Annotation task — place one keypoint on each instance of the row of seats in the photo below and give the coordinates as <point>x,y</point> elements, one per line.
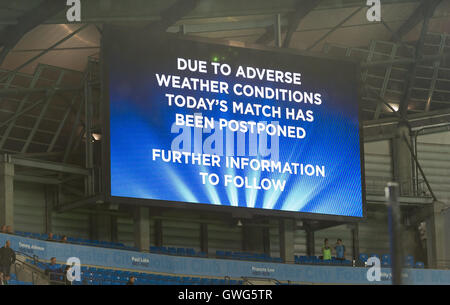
<point>103,276</point>
<point>16,282</point>
<point>78,241</point>
<point>314,260</point>
<point>247,256</point>
<point>385,259</point>
<point>13,281</point>
<point>158,250</point>
<point>177,251</point>
<point>95,276</point>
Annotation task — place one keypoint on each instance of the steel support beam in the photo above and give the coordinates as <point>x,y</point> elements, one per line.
<point>19,111</point>
<point>61,125</point>
<point>46,90</point>
<point>18,114</point>
<point>43,52</point>
<point>80,203</point>
<point>72,133</point>
<point>335,28</point>
<point>51,166</point>
<point>420,168</point>
<point>376,130</point>
<point>387,76</point>
<point>277,30</point>
<point>434,78</point>
<point>302,9</point>
<point>355,241</point>
<point>400,61</point>
<point>41,115</point>
<point>36,179</point>
<point>6,191</point>
<point>417,16</point>
<point>12,34</point>
<point>173,14</point>
<point>403,108</point>
<point>395,231</point>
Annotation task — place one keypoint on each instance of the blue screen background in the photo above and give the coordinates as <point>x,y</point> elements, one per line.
<point>140,120</point>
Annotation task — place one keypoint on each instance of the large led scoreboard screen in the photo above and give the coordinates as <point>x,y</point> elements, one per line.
<point>218,125</point>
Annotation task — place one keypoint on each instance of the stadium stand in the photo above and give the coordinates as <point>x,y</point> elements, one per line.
<point>314,260</point>
<point>101,275</point>
<point>409,261</point>
<point>222,254</point>
<point>79,241</point>
<point>177,251</point>
<point>247,256</point>
<point>14,281</point>
<point>110,276</point>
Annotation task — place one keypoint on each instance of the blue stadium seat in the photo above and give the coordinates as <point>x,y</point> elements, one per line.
<point>386,264</point>
<point>420,265</point>
<point>363,257</point>
<point>204,281</point>
<point>347,262</point>
<point>155,249</point>
<point>409,262</point>
<point>277,260</point>
<point>409,259</point>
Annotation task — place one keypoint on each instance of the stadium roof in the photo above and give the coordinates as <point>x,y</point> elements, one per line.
<point>44,58</point>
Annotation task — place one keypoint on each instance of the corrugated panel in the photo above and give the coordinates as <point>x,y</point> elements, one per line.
<point>374,234</point>
<point>342,232</point>
<point>73,224</point>
<point>178,233</point>
<point>378,166</point>
<point>274,238</point>
<point>125,230</point>
<point>224,237</point>
<point>446,215</point>
<point>435,162</point>
<point>29,207</point>
<point>299,242</point>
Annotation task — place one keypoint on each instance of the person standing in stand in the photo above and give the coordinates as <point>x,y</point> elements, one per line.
<point>7,258</point>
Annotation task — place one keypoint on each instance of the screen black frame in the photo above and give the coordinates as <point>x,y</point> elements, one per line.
<point>106,162</point>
